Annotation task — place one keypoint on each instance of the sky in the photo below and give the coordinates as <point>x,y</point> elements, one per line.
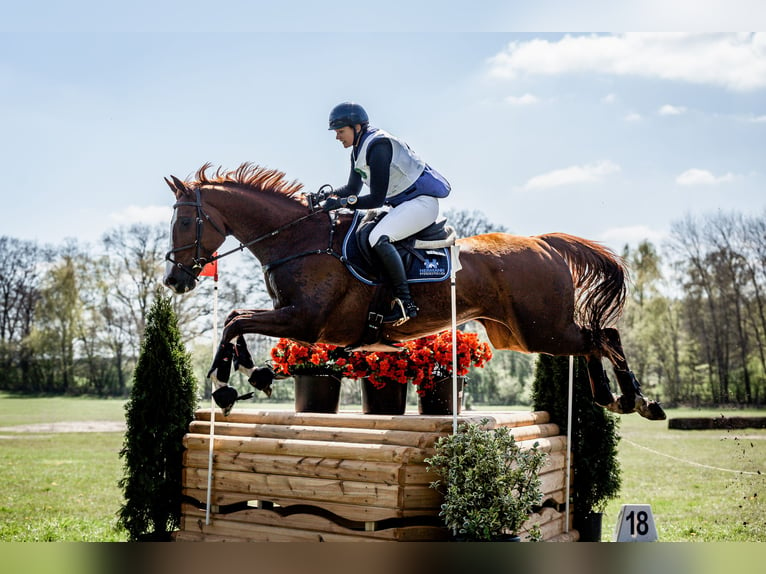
<point>611,135</point>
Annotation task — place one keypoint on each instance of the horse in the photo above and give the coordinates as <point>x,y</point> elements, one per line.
<point>556,293</point>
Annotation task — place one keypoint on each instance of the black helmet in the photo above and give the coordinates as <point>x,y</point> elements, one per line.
<point>347,114</point>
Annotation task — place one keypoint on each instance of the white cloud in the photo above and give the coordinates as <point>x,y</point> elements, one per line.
<point>668,110</point>
<point>524,100</point>
<point>589,173</point>
<point>148,214</point>
<point>758,119</point>
<point>702,177</point>
<point>633,117</point>
<point>733,61</point>
<point>609,99</point>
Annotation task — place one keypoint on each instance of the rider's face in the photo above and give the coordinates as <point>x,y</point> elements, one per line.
<point>345,135</point>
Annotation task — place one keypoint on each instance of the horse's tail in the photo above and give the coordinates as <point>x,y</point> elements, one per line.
<point>600,281</point>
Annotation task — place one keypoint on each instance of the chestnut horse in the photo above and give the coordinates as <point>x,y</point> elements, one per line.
<point>555,293</point>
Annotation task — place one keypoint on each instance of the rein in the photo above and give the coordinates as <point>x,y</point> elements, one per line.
<point>200,262</point>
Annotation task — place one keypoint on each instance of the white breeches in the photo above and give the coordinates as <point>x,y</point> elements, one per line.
<point>406,219</point>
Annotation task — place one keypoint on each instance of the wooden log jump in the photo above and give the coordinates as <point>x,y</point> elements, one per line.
<point>285,476</point>
<point>722,422</point>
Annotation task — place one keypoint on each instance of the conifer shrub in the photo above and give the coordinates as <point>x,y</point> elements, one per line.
<point>161,407</point>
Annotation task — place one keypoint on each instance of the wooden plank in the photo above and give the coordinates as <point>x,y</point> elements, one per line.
<point>552,481</point>
<point>337,449</point>
<point>548,444</point>
<point>571,536</point>
<point>315,433</point>
<point>517,418</point>
<point>550,521</point>
<point>347,511</point>
<point>558,496</point>
<point>534,432</point>
<point>408,422</point>
<point>319,467</point>
<point>195,521</point>
<point>256,486</point>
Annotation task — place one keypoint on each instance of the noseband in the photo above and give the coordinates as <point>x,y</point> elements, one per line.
<point>200,262</point>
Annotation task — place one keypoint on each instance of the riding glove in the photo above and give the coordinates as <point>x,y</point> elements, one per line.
<point>332,203</point>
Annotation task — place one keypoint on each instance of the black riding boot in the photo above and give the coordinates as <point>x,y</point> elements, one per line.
<point>404,307</point>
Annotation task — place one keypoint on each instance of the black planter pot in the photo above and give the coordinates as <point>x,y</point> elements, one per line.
<point>317,394</point>
<point>438,400</point>
<point>390,400</point>
<point>589,526</point>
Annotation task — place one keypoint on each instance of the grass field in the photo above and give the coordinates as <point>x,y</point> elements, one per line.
<point>702,485</point>
<point>63,486</point>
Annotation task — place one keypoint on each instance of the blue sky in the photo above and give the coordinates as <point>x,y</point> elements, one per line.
<point>610,136</point>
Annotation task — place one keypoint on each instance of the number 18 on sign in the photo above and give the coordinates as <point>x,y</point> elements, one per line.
<point>635,523</point>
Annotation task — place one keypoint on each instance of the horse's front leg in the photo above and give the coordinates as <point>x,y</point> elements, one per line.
<point>233,353</point>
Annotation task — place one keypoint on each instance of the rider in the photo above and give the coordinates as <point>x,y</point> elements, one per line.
<point>397,177</point>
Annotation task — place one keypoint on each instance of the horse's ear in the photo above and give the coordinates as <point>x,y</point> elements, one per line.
<point>176,185</point>
<point>171,186</point>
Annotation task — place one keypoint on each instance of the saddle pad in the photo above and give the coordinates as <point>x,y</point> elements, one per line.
<point>429,266</point>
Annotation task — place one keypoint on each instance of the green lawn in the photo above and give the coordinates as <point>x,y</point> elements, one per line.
<point>59,486</point>
<point>702,485</point>
<point>63,486</point>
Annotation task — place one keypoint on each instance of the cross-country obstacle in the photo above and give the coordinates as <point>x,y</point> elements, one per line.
<point>286,476</point>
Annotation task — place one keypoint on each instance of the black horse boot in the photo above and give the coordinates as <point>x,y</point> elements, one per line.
<point>404,307</point>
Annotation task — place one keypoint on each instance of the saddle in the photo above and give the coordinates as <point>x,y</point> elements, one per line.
<point>425,255</point>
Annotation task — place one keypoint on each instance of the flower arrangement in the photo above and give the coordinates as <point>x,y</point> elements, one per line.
<point>471,352</point>
<point>423,362</point>
<point>291,358</point>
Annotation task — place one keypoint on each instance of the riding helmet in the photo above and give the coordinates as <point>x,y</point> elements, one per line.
<point>347,114</point>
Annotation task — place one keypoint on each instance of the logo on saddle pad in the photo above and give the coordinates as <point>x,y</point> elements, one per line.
<point>432,268</point>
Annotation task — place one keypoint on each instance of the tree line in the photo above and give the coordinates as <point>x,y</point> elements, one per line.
<point>72,317</point>
<point>695,325</point>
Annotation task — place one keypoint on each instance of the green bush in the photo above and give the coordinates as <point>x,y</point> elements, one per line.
<point>158,413</point>
<point>490,485</point>
<point>596,469</point>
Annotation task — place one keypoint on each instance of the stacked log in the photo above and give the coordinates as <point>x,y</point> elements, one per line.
<point>285,476</point>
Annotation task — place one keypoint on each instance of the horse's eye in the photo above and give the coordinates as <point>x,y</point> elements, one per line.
<point>185,222</point>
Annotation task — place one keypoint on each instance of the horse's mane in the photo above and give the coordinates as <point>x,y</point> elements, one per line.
<point>248,175</point>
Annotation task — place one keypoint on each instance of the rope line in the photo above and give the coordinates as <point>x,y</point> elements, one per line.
<point>691,462</point>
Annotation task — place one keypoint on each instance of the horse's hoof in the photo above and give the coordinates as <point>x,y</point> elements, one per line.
<point>225,397</point>
<point>261,378</point>
<point>652,410</point>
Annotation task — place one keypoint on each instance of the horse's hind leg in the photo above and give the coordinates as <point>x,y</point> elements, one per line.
<point>631,399</point>
<point>578,341</point>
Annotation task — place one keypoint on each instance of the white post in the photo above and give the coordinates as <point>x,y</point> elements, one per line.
<point>454,250</point>
<point>212,404</point>
<point>569,440</point>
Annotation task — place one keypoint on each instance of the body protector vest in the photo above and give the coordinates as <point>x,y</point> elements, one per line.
<point>406,165</point>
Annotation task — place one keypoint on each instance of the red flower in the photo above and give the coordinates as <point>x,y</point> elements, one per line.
<point>291,358</point>
<point>423,361</point>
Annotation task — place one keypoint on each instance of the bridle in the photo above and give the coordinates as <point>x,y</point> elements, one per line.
<point>199,261</point>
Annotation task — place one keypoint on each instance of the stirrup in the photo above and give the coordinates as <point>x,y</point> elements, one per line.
<point>401,313</point>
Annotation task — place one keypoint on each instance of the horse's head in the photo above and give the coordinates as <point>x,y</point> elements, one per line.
<point>194,237</point>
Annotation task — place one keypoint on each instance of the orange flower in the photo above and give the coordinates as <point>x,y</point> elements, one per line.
<point>291,358</point>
